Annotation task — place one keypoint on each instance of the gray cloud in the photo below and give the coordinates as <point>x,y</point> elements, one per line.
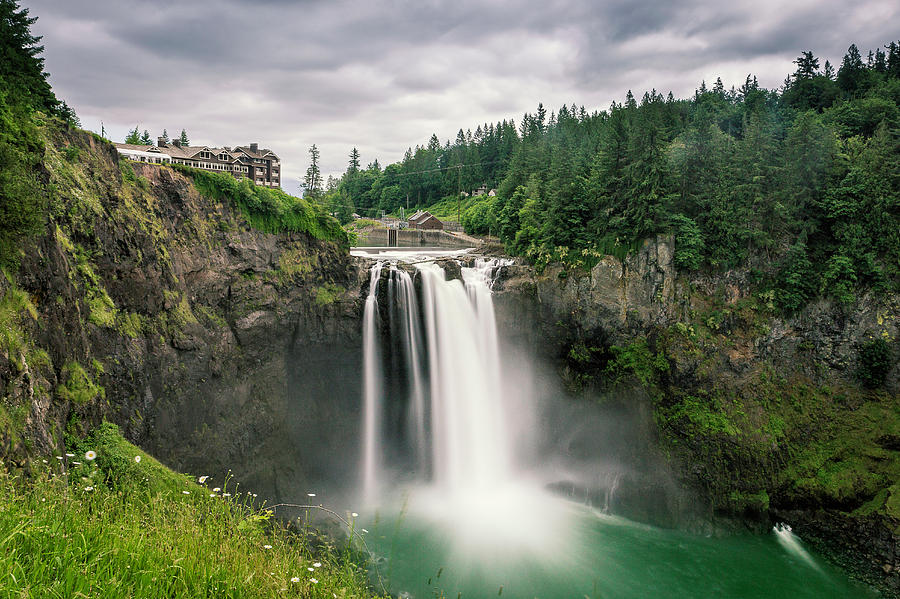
<point>384,75</point>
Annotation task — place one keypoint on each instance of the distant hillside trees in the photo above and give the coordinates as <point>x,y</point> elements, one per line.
<point>801,184</point>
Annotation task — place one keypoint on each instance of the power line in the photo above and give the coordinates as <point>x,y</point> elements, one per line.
<point>447,168</point>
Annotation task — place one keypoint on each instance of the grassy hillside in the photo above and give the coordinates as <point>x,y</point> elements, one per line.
<point>123,525</point>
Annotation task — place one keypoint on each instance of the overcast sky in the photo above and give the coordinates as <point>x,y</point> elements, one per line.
<point>384,75</point>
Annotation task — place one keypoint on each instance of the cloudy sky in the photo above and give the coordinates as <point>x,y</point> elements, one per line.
<point>383,75</point>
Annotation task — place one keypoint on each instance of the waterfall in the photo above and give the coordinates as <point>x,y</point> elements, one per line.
<point>456,428</point>
<point>411,335</point>
<point>372,390</point>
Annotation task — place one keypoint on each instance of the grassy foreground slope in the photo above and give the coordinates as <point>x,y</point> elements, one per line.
<point>124,525</point>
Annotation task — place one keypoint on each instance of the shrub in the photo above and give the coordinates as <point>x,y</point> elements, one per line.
<point>689,243</point>
<point>873,363</point>
<point>267,209</point>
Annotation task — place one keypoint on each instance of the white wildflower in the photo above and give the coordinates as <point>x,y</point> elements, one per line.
<point>70,455</point>
<point>216,490</point>
<point>137,459</point>
<point>317,565</point>
<point>354,514</point>
<point>267,546</point>
<point>310,494</point>
<point>90,455</point>
<point>89,488</point>
<point>295,579</point>
<point>202,479</point>
<point>314,581</point>
<point>186,492</point>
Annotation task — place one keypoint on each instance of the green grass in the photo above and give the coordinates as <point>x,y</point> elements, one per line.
<point>114,527</point>
<point>267,209</point>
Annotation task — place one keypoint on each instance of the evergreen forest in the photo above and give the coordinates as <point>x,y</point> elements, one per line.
<point>800,184</point>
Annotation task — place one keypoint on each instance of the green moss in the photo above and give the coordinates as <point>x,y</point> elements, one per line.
<point>130,324</point>
<point>328,294</point>
<point>892,502</point>
<point>756,502</point>
<point>211,317</point>
<point>78,386</point>
<point>102,309</point>
<point>295,263</point>
<point>699,416</point>
<point>15,307</point>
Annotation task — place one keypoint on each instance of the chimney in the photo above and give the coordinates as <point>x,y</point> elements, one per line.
<point>160,142</point>
<point>176,143</point>
<point>254,147</point>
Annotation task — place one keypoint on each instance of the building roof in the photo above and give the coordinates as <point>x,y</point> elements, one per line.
<point>257,154</point>
<point>420,217</point>
<point>192,151</point>
<point>137,147</point>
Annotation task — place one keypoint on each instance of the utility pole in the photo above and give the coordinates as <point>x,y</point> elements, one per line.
<point>458,194</point>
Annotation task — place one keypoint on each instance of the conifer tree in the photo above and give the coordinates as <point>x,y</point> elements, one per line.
<point>21,66</point>
<point>133,137</point>
<point>312,182</point>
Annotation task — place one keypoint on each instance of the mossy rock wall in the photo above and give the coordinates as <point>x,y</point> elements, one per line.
<point>213,345</point>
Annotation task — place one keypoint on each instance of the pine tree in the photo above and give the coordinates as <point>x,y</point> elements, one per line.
<point>852,72</point>
<point>165,136</point>
<point>133,137</point>
<point>354,161</point>
<point>146,139</point>
<point>21,67</point>
<point>807,66</point>
<point>183,139</point>
<point>312,182</point>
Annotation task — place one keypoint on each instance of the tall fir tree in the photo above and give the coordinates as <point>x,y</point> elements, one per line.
<point>312,182</point>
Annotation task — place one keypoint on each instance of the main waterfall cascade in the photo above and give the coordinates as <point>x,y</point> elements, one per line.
<point>446,350</point>
<point>452,510</point>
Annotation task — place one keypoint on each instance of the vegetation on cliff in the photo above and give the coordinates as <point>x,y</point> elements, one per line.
<point>267,209</point>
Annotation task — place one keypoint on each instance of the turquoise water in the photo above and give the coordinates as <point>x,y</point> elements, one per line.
<point>556,549</point>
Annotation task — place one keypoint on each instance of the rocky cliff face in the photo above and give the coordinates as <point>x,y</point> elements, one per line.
<point>763,416</point>
<point>214,346</point>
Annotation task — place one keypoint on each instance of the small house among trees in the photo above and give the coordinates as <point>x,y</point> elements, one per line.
<point>425,220</point>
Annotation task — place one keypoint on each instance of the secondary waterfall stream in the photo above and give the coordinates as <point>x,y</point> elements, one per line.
<point>450,510</point>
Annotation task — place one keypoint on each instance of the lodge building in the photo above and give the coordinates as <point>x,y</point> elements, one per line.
<point>261,166</point>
